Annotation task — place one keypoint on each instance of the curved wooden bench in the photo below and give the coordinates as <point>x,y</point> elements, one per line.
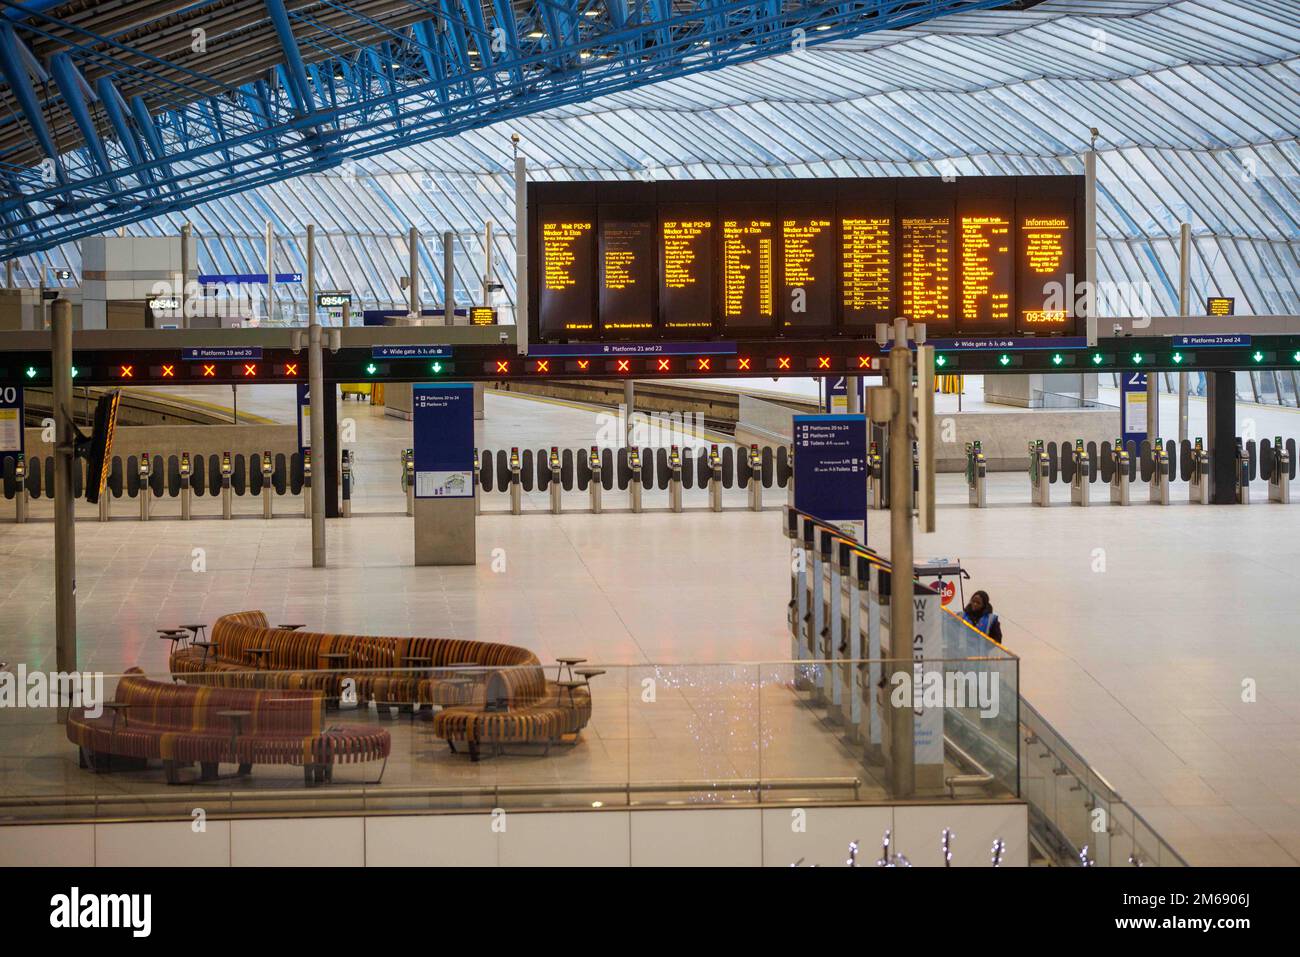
<point>186,724</point>
<point>520,707</point>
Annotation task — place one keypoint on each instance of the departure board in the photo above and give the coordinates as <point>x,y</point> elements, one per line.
<point>627,274</point>
<point>748,294</point>
<point>566,307</point>
<point>807,265</point>
<point>772,258</point>
<point>686,269</point>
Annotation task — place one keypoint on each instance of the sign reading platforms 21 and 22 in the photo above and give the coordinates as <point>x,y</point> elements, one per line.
<point>982,256</point>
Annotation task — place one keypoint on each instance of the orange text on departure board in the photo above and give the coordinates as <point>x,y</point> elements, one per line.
<point>1043,240</point>
<point>680,256</point>
<point>927,268</point>
<point>800,251</point>
<point>986,267</point>
<point>746,259</point>
<point>867,269</point>
<point>558,256</point>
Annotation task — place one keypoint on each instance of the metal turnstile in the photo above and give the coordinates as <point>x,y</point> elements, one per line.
<point>1080,483</point>
<point>1242,471</point>
<point>20,494</point>
<point>268,472</point>
<point>675,479</point>
<point>144,468</point>
<point>1158,490</point>
<point>227,470</point>
<point>557,482</point>
<point>1198,488</point>
<point>347,483</point>
<point>1279,479</point>
<point>408,479</point>
<point>596,486</point>
<point>634,486</point>
<point>715,479</point>
<point>185,486</point>
<point>1119,478</point>
<point>976,474</point>
<point>755,488</point>
<point>306,483</point>
<point>516,489</point>
<point>875,477</point>
<point>1040,474</point>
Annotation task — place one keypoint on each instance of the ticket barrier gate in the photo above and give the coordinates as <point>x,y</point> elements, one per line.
<point>675,479</point>
<point>1198,487</point>
<point>715,479</point>
<point>1242,472</point>
<point>1119,478</point>
<point>268,470</point>
<point>516,489</point>
<point>144,469</point>
<point>347,482</point>
<point>1040,474</point>
<point>408,479</point>
<point>1080,484</point>
<point>557,483</point>
<point>20,494</point>
<point>185,487</point>
<point>634,480</point>
<point>1279,480</point>
<point>1158,490</point>
<point>796,608</point>
<point>306,483</point>
<point>875,477</point>
<point>976,475</point>
<point>227,470</point>
<point>596,485</point>
<point>755,480</point>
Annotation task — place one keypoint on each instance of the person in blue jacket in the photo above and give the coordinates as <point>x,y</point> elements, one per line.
<point>979,613</point>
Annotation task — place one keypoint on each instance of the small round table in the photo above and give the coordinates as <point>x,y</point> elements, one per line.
<point>567,664</point>
<point>588,673</point>
<point>198,631</point>
<point>290,627</point>
<point>208,647</point>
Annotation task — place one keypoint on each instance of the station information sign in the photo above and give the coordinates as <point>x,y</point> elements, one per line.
<point>974,256</point>
<point>1220,306</point>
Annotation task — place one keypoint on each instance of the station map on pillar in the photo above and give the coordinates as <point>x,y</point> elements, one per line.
<point>755,259</point>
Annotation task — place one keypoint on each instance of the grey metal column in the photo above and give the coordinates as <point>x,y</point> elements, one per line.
<point>347,314</point>
<point>1090,236</point>
<point>902,768</point>
<point>270,270</point>
<point>1184,309</point>
<point>449,278</point>
<point>851,387</point>
<point>186,232</point>
<point>413,273</point>
<point>487,263</point>
<point>521,252</point>
<point>629,406</point>
<point>316,385</point>
<point>65,547</point>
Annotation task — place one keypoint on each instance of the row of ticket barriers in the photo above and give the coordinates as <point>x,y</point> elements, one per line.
<point>1121,464</point>
<point>597,471</point>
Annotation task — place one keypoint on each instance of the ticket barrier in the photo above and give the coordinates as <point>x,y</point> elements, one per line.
<point>596,485</point>
<point>185,486</point>
<point>755,480</point>
<point>1158,490</point>
<point>408,479</point>
<point>516,489</point>
<point>306,483</point>
<point>715,479</point>
<point>144,469</point>
<point>854,672</point>
<point>1119,478</point>
<point>1080,483</point>
<point>347,482</point>
<point>834,647</point>
<point>634,481</point>
<point>1040,474</point>
<point>1242,472</point>
<point>814,620</point>
<point>1279,480</point>
<point>875,477</point>
<point>797,606</point>
<point>20,494</point>
<point>227,470</point>
<point>675,479</point>
<point>557,482</point>
<point>1198,487</point>
<point>976,475</point>
<point>268,470</point>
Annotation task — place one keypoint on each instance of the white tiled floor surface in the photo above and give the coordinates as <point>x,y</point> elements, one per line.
<point>1137,627</point>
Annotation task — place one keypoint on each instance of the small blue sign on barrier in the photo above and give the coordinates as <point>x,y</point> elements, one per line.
<point>11,419</point>
<point>1133,406</point>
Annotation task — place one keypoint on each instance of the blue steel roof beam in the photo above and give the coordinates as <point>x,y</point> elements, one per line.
<point>75,92</point>
<point>459,44</point>
<point>426,38</point>
<point>13,65</point>
<point>381,65</point>
<point>116,110</point>
<point>211,111</point>
<point>145,124</point>
<point>505,22</point>
<point>298,88</point>
<point>477,28</point>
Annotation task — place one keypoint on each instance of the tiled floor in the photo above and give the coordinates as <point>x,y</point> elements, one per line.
<point>1138,628</point>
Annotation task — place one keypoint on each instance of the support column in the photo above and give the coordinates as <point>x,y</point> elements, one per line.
<point>270,271</point>
<point>413,269</point>
<point>65,546</point>
<point>629,406</point>
<point>449,278</point>
<point>316,385</point>
<point>1221,435</point>
<point>902,627</point>
<point>521,252</point>
<point>1184,309</point>
<point>186,232</point>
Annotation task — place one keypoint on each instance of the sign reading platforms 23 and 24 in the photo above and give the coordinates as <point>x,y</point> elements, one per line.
<point>981,256</point>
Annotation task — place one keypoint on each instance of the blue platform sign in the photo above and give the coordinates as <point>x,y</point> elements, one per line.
<point>410,352</point>
<point>11,420</point>
<point>221,352</point>
<point>830,469</point>
<point>1133,406</point>
<point>618,349</point>
<point>443,428</point>
<point>837,393</point>
<point>258,278</point>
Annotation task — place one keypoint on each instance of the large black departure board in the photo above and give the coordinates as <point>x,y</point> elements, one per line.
<point>700,259</point>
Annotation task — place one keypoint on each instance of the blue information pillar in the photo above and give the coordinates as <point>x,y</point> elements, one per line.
<point>1133,406</point>
<point>443,427</point>
<point>830,470</point>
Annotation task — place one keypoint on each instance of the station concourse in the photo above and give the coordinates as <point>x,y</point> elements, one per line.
<point>407,472</point>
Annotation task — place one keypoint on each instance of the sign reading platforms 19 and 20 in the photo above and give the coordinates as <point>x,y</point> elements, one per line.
<point>982,256</point>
